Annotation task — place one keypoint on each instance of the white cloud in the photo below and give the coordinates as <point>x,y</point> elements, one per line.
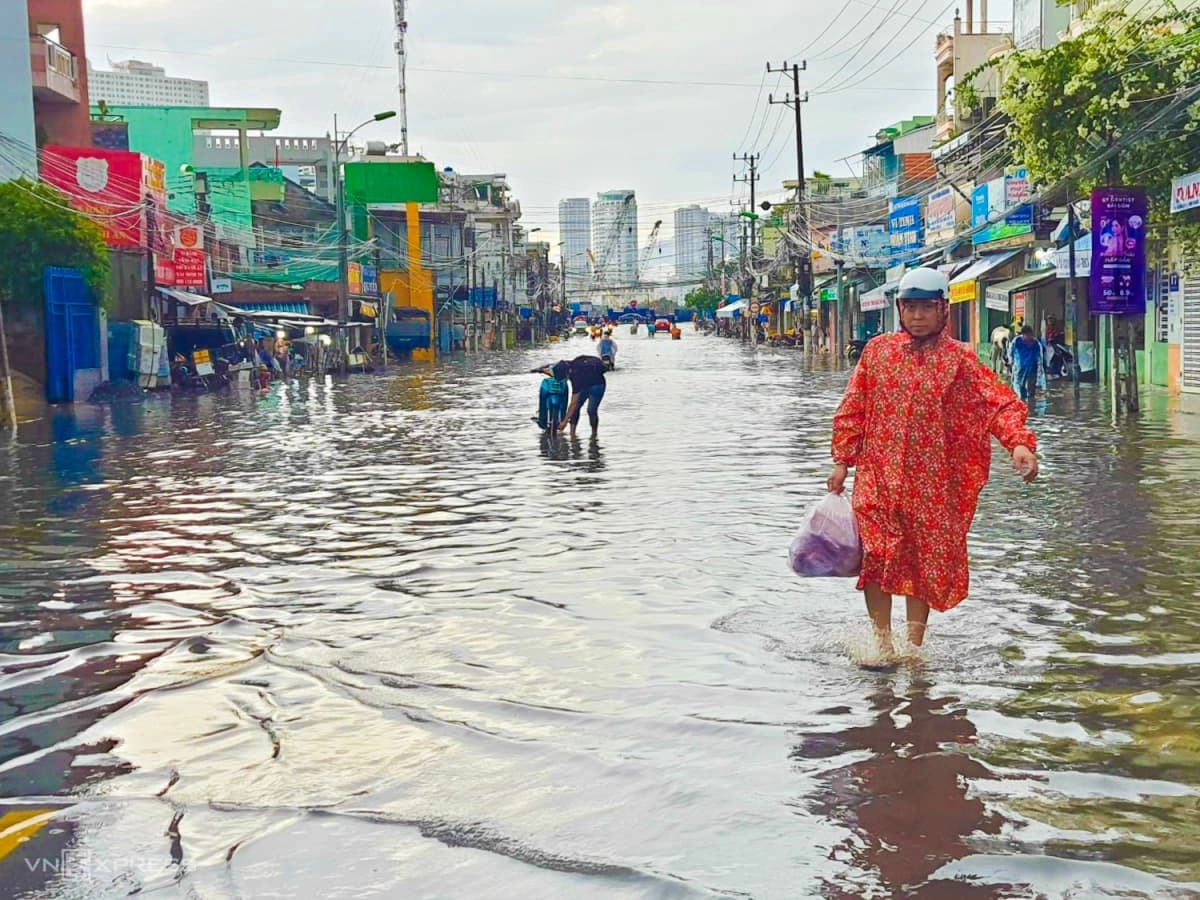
<point>554,138</point>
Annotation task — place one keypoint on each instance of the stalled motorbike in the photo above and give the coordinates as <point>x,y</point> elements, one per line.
<point>1061,361</point>
<point>854,350</point>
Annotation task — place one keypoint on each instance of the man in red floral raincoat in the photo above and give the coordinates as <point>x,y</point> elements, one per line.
<point>916,424</point>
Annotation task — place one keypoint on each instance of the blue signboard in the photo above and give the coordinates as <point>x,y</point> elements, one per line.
<point>989,200</point>
<point>904,227</point>
<point>865,245</point>
<point>370,281</point>
<point>979,205</point>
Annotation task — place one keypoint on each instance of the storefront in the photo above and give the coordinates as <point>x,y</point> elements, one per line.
<point>876,305</point>
<point>967,324</point>
<point>1035,298</point>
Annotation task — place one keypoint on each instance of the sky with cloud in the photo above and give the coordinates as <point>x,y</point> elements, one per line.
<point>567,97</point>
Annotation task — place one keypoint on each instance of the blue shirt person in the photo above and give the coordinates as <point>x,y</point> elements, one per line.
<point>1026,353</point>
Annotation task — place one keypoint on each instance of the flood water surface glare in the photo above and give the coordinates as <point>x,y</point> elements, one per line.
<point>379,638</point>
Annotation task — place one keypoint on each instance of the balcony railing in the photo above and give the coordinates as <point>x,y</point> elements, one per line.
<point>59,59</point>
<point>55,70</point>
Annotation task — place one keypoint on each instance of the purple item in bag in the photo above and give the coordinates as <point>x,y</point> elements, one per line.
<point>827,545</point>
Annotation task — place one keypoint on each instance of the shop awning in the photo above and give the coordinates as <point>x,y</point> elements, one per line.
<point>727,312</point>
<point>963,285</point>
<point>951,269</point>
<point>185,297</point>
<point>294,306</point>
<point>999,295</point>
<point>1083,258</point>
<point>878,298</point>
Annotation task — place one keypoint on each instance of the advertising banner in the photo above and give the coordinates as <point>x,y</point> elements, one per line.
<point>189,237</point>
<point>102,183</point>
<point>190,269</point>
<point>1118,272</point>
<point>1017,190</point>
<point>904,226</point>
<point>941,211</point>
<point>164,271</point>
<point>866,245</point>
<point>996,299</point>
<point>370,279</point>
<point>355,279</point>
<point>154,197</point>
<point>1185,192</point>
<point>991,199</point>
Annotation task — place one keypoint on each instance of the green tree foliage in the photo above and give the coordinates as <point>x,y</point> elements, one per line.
<point>704,300</point>
<point>38,229</point>
<point>1111,83</point>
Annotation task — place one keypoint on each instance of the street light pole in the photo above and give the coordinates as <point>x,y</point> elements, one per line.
<point>344,235</point>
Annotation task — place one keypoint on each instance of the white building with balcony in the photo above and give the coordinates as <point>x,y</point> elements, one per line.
<point>960,52</point>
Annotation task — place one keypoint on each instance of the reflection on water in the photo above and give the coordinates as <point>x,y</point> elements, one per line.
<point>385,638</point>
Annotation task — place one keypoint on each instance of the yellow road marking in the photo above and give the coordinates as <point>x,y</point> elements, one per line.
<point>18,826</point>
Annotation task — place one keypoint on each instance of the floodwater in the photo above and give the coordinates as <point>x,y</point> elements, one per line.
<point>378,639</point>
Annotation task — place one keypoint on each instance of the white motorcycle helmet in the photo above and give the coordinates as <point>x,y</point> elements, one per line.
<point>924,284</point>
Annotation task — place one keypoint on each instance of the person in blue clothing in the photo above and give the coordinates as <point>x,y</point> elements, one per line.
<point>554,392</point>
<point>1027,354</point>
<point>608,347</point>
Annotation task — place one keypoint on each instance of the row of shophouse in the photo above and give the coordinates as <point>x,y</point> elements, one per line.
<point>945,190</point>
<point>214,217</point>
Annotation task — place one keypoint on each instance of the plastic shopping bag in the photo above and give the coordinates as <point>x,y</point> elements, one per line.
<point>827,544</point>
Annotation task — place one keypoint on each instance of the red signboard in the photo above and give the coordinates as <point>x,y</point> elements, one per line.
<point>164,272</point>
<point>124,192</point>
<point>189,269</point>
<point>103,183</point>
<point>189,237</point>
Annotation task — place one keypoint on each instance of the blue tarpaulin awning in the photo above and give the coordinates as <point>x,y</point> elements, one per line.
<point>294,306</point>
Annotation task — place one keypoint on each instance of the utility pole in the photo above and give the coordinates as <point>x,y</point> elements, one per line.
<point>1072,301</point>
<point>1129,398</point>
<point>343,295</point>
<point>801,256</point>
<point>751,160</point>
<point>402,60</point>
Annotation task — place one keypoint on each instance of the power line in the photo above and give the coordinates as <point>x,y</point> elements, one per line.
<point>438,70</point>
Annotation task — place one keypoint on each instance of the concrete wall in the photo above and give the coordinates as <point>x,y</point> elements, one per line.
<point>971,51</point>
<point>64,123</point>
<point>25,324</point>
<point>16,84</point>
<point>166,134</point>
<point>128,287</point>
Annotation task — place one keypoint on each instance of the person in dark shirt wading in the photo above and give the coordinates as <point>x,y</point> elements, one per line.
<point>587,384</point>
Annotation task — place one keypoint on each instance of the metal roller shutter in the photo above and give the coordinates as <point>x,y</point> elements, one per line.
<point>1191,334</point>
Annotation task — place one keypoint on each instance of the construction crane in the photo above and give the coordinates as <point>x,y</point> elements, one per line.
<point>651,246</point>
<point>599,266</point>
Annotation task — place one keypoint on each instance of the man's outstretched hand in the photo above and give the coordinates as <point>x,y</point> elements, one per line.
<point>1025,464</point>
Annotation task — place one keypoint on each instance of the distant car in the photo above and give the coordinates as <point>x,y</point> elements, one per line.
<point>662,325</point>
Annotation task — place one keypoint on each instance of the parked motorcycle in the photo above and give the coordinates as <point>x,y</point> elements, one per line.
<point>1061,360</point>
<point>854,350</point>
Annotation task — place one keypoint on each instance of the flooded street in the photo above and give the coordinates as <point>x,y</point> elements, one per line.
<point>378,638</point>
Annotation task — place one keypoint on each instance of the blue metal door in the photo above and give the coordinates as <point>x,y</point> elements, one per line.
<point>72,332</point>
